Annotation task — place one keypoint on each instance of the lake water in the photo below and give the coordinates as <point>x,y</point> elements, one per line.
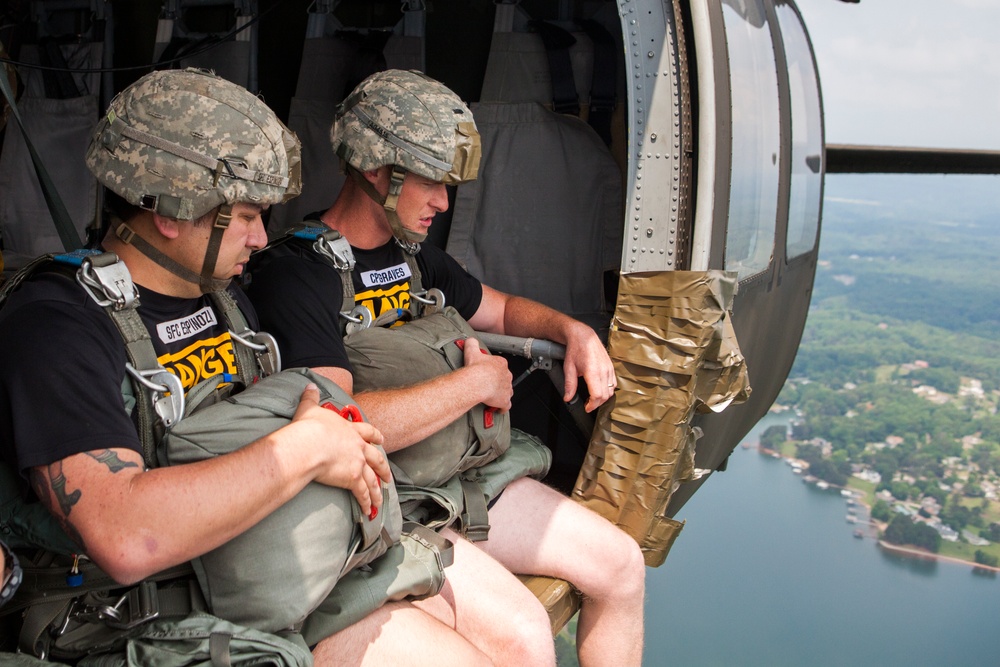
<point>768,572</point>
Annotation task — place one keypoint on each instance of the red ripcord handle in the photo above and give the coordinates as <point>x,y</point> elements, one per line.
<point>352,414</point>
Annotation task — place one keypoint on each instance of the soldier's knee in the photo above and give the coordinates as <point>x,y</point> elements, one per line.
<point>531,641</point>
<point>622,572</point>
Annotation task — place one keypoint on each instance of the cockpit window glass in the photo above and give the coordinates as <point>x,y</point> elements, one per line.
<point>753,196</point>
<point>807,136</point>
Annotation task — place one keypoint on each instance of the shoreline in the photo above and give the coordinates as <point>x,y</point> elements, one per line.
<point>899,550</point>
<point>922,554</point>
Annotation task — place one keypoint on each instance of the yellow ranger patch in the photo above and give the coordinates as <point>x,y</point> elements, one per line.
<point>201,360</point>
<point>379,300</point>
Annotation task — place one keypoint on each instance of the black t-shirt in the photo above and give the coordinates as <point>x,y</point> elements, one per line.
<point>63,364</point>
<point>298,294</point>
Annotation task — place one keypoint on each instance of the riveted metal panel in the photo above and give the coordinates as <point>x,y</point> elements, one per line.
<point>659,140</point>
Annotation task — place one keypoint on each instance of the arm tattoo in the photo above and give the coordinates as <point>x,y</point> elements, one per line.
<point>111,460</point>
<point>54,485</point>
<point>57,482</point>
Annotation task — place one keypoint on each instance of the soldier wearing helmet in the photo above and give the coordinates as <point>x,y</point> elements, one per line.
<point>402,138</point>
<point>191,161</point>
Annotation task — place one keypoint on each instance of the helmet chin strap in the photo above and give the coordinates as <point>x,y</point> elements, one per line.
<point>206,280</point>
<point>407,239</point>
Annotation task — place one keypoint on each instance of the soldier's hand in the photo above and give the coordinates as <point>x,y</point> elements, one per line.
<point>498,383</point>
<point>587,358</point>
<point>351,459</point>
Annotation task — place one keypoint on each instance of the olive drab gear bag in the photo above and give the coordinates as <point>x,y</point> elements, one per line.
<point>462,502</point>
<point>415,352</point>
<point>273,575</point>
<point>201,640</point>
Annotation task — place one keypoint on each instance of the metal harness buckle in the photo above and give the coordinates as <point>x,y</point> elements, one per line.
<point>433,300</point>
<point>135,607</point>
<point>163,385</point>
<point>358,318</point>
<point>336,248</point>
<point>265,347</point>
<point>329,243</point>
<point>109,284</point>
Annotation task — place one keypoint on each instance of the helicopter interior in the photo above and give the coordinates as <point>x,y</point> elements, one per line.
<point>622,138</point>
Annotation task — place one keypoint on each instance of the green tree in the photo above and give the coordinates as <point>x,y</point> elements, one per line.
<point>774,437</point>
<point>984,558</point>
<point>900,490</point>
<point>992,533</point>
<point>881,511</point>
<point>955,514</point>
<point>903,530</point>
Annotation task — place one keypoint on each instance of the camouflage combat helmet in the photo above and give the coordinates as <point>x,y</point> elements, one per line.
<point>183,142</point>
<point>413,123</point>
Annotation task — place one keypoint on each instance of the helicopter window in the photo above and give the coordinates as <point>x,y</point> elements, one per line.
<point>753,197</point>
<point>807,136</point>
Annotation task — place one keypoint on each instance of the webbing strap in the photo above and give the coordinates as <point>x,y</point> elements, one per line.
<point>127,235</point>
<point>218,649</point>
<point>604,79</point>
<point>34,628</point>
<point>325,244</point>
<point>47,600</point>
<point>207,281</point>
<point>475,513</point>
<point>416,281</point>
<point>432,540</point>
<point>557,42</point>
<point>246,360</point>
<point>142,356</point>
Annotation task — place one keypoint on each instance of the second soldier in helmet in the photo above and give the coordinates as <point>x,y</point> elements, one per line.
<point>402,137</point>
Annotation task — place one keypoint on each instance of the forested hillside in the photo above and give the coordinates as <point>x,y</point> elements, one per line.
<point>898,374</point>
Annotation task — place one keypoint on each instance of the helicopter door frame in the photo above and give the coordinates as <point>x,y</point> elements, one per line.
<point>660,142</point>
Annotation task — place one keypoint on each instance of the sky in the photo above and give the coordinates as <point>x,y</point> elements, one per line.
<point>921,73</point>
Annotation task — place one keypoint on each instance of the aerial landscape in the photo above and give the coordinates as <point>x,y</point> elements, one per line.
<point>896,385</point>
<point>897,376</point>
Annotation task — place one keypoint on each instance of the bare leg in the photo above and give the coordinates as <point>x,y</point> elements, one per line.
<point>537,530</point>
<point>397,634</point>
<point>490,607</point>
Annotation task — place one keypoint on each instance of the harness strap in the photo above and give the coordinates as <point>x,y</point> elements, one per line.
<point>128,235</point>
<point>557,42</point>
<point>50,606</point>
<point>330,245</point>
<point>604,79</point>
<point>142,356</point>
<point>247,361</point>
<point>37,620</point>
<point>475,514</point>
<point>416,280</point>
